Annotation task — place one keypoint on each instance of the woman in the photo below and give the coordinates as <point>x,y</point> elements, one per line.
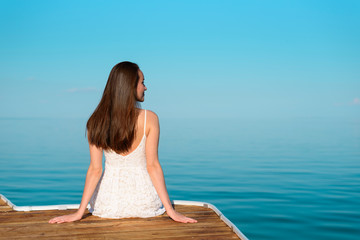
<point>132,184</point>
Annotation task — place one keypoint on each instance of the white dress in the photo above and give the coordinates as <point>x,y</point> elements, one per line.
<point>125,188</point>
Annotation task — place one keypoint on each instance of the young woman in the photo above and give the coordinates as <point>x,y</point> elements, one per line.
<point>132,184</point>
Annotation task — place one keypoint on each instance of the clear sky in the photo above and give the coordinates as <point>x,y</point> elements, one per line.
<point>231,59</point>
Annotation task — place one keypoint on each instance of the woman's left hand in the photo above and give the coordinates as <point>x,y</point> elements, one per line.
<point>66,218</point>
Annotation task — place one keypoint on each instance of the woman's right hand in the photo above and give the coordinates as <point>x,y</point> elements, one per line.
<point>178,217</point>
<point>66,218</point>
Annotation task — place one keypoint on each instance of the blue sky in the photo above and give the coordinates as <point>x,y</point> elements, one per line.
<point>212,59</point>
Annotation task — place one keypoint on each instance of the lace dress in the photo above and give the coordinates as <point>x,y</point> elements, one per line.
<point>125,188</point>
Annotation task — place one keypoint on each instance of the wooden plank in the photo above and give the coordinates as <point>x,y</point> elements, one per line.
<point>34,225</point>
<point>108,226</point>
<point>42,230</point>
<point>4,207</point>
<point>40,216</point>
<point>2,202</point>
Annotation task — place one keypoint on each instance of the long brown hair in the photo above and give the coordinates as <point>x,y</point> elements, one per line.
<point>112,125</point>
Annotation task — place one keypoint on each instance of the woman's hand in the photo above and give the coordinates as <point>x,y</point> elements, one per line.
<point>66,218</point>
<point>92,178</point>
<point>178,217</point>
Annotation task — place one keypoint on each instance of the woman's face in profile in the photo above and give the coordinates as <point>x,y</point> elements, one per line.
<point>140,87</point>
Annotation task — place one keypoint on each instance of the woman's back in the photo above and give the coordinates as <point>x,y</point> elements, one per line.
<point>139,131</point>
<point>125,188</point>
<point>136,156</point>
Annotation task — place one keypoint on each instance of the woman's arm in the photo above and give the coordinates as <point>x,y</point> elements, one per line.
<point>92,178</point>
<point>154,168</point>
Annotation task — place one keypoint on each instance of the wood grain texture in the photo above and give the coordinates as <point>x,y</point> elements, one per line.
<point>4,207</point>
<point>34,225</point>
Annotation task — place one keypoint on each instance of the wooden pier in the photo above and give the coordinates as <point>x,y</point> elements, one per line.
<point>34,225</point>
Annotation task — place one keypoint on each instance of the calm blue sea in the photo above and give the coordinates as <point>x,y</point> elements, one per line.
<point>274,179</point>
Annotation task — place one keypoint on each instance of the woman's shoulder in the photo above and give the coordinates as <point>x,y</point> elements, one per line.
<point>152,122</point>
<point>151,116</point>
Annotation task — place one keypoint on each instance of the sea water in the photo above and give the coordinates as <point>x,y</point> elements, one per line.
<point>274,178</point>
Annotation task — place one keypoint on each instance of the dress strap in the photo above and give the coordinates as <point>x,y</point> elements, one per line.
<point>145,122</point>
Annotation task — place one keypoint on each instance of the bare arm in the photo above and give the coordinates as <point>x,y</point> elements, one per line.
<point>92,178</point>
<point>154,168</point>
